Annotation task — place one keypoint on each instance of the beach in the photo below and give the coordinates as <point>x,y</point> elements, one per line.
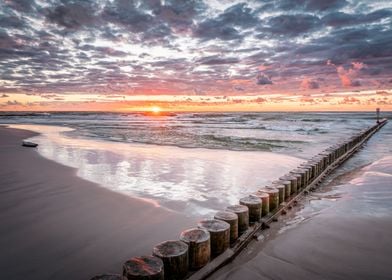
<point>55,225</point>
<point>90,196</point>
<point>254,131</point>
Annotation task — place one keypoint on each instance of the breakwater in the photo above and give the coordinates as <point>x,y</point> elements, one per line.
<point>214,242</point>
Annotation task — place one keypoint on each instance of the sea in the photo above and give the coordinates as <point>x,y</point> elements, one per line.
<point>194,163</point>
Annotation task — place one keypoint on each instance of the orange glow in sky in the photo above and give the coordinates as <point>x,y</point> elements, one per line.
<point>157,104</point>
<point>155,109</point>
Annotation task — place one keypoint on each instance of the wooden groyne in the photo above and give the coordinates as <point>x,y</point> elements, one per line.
<point>201,251</point>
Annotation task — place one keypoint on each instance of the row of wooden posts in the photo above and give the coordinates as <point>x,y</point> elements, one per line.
<point>176,259</point>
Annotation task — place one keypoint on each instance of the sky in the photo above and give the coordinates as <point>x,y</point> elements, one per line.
<point>185,55</point>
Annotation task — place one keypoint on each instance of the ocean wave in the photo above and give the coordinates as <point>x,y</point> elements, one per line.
<point>232,131</point>
<point>173,137</point>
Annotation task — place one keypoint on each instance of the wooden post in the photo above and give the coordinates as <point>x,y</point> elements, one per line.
<point>232,219</point>
<point>287,188</point>
<point>281,188</point>
<point>308,169</point>
<point>242,212</point>
<point>107,277</point>
<point>199,250</point>
<point>143,268</point>
<point>273,197</point>
<point>219,235</point>
<point>293,181</point>
<point>265,208</point>
<point>174,254</point>
<point>300,177</point>
<point>254,205</point>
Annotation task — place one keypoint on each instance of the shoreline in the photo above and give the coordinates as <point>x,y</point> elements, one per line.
<point>197,182</point>
<point>55,225</point>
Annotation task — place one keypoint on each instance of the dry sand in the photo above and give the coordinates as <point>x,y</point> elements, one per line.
<point>54,225</point>
<point>346,234</point>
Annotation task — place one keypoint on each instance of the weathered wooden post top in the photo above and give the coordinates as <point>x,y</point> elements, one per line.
<point>144,267</point>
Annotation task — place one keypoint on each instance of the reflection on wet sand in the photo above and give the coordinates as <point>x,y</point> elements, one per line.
<point>193,180</point>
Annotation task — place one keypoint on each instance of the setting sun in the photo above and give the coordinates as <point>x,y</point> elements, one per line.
<point>155,109</point>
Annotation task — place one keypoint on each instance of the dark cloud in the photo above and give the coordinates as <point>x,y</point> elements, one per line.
<point>311,5</point>
<point>12,21</point>
<point>337,19</point>
<point>105,51</point>
<point>262,79</point>
<point>291,24</point>
<point>177,14</point>
<point>239,15</point>
<point>4,95</point>
<point>73,15</point>
<point>212,29</point>
<point>227,25</point>
<point>21,5</point>
<point>217,60</point>
<point>125,13</point>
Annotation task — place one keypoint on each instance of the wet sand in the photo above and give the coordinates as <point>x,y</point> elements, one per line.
<point>196,182</point>
<point>55,225</point>
<point>343,233</point>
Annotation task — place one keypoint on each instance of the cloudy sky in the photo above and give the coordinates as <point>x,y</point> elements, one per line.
<point>184,54</point>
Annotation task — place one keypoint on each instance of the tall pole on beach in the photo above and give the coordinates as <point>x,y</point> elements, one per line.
<point>378,114</point>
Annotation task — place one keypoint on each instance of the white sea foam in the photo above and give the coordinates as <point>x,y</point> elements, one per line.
<point>193,180</point>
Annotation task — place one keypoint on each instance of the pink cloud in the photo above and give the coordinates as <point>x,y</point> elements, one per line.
<point>348,75</point>
<point>308,83</point>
